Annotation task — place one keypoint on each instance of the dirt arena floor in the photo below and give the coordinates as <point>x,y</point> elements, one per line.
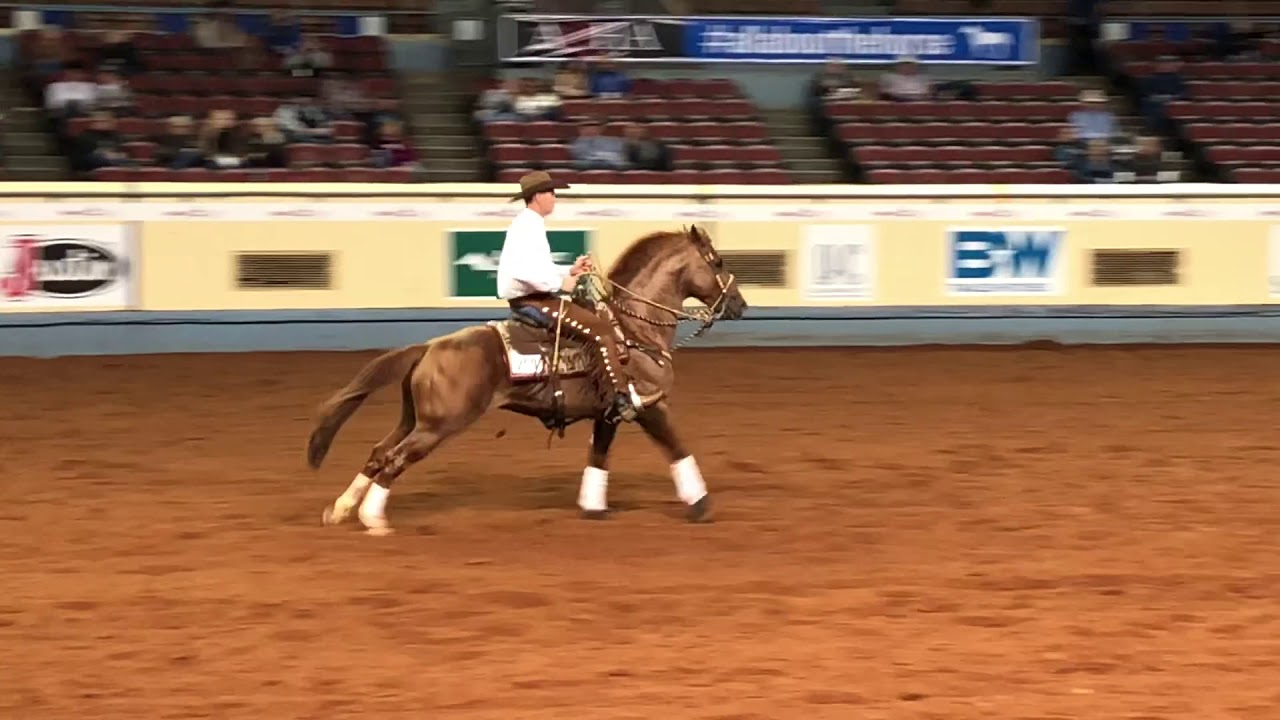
<point>951,534</point>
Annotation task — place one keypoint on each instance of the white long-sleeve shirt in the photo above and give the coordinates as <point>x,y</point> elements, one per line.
<point>525,265</point>
<point>58,94</point>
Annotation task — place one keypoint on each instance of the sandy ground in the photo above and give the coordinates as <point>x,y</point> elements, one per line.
<point>951,534</point>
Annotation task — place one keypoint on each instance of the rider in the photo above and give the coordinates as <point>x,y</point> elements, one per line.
<point>529,279</point>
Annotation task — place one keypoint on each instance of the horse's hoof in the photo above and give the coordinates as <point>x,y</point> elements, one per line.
<point>595,514</point>
<point>700,511</point>
<point>328,519</point>
<point>382,531</point>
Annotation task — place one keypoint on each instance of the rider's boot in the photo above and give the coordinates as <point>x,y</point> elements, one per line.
<point>627,404</point>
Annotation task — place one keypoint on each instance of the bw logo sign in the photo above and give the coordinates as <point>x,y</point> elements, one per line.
<point>1012,261</point>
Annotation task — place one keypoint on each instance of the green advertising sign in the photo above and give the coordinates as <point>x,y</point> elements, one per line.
<point>473,258</point>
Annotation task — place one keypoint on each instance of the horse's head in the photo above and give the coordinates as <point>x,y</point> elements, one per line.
<point>707,279</point>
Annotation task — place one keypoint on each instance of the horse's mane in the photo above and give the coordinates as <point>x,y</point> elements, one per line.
<point>640,254</point>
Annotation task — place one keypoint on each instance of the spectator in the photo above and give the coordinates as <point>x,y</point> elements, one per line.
<point>645,153</point>
<point>536,101</point>
<point>1068,150</point>
<point>1095,166</point>
<point>835,83</point>
<point>220,34</point>
<point>385,110</point>
<point>571,81</point>
<point>595,151</point>
<point>304,122</point>
<point>905,82</point>
<point>609,82</point>
<point>1147,160</point>
<point>284,34</point>
<point>220,141</point>
<point>266,146</point>
<point>1239,40</point>
<point>344,99</point>
<point>119,55</point>
<point>217,32</point>
<point>52,52</point>
<point>309,59</point>
<point>391,149</point>
<point>110,93</point>
<point>71,95</point>
<point>498,103</point>
<point>1162,87</point>
<point>100,146</point>
<point>179,148</point>
<point>1084,22</point>
<point>1093,121</point>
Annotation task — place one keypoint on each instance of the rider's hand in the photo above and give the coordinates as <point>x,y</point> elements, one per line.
<point>581,265</point>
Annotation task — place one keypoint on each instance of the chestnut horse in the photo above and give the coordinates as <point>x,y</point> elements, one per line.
<point>449,382</point>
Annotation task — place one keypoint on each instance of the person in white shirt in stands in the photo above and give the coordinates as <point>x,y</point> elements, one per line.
<point>529,281</point>
<point>70,95</point>
<point>905,82</point>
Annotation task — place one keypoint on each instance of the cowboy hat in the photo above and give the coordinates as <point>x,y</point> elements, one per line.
<point>538,182</point>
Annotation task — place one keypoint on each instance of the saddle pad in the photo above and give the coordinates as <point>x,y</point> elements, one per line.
<point>574,361</point>
<point>526,367</point>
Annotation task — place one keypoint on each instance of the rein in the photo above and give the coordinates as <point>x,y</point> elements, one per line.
<point>707,317</point>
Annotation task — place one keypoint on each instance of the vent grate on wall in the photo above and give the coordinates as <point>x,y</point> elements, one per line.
<point>759,268</point>
<point>284,271</point>
<point>1136,267</point>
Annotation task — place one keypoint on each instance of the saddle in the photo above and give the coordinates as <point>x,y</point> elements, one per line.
<point>529,341</point>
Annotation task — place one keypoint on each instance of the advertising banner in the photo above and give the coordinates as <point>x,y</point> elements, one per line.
<point>1006,261</point>
<point>80,267</point>
<point>543,38</point>
<point>1273,262</point>
<point>972,41</point>
<point>839,262</point>
<point>473,259</point>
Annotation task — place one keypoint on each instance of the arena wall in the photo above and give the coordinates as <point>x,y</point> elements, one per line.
<point>121,269</point>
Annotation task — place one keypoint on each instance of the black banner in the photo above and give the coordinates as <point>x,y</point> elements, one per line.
<point>543,38</point>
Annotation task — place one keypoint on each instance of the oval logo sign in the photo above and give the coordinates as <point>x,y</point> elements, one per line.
<point>62,268</point>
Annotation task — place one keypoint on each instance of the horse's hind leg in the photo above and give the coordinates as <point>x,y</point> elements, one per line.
<point>448,395</point>
<point>350,499</point>
<point>690,487</point>
<point>415,447</point>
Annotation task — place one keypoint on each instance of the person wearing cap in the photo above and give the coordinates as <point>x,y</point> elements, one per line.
<point>1093,121</point>
<point>529,280</point>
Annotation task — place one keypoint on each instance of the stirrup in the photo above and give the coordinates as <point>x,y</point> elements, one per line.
<point>637,402</point>
<point>625,407</point>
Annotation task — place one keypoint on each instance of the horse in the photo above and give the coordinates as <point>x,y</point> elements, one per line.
<point>519,365</point>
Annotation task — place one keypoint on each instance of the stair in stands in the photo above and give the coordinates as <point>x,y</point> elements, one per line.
<point>29,151</point>
<point>804,155</point>
<point>439,110</point>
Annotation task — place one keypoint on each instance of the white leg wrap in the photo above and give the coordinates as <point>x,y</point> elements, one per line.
<point>593,495</point>
<point>373,511</point>
<point>689,485</point>
<point>354,493</point>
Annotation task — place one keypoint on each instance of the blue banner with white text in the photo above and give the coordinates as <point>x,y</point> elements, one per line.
<point>975,41</point>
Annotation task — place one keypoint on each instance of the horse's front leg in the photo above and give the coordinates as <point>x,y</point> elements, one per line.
<point>593,496</point>
<point>690,487</point>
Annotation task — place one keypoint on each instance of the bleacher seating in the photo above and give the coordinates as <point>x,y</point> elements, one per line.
<point>1007,137</point>
<point>1231,122</point>
<point>713,132</point>
<point>184,80</point>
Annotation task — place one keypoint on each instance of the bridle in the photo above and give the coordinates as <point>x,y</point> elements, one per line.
<point>707,317</point>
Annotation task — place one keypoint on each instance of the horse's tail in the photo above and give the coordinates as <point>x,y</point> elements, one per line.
<point>389,367</point>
